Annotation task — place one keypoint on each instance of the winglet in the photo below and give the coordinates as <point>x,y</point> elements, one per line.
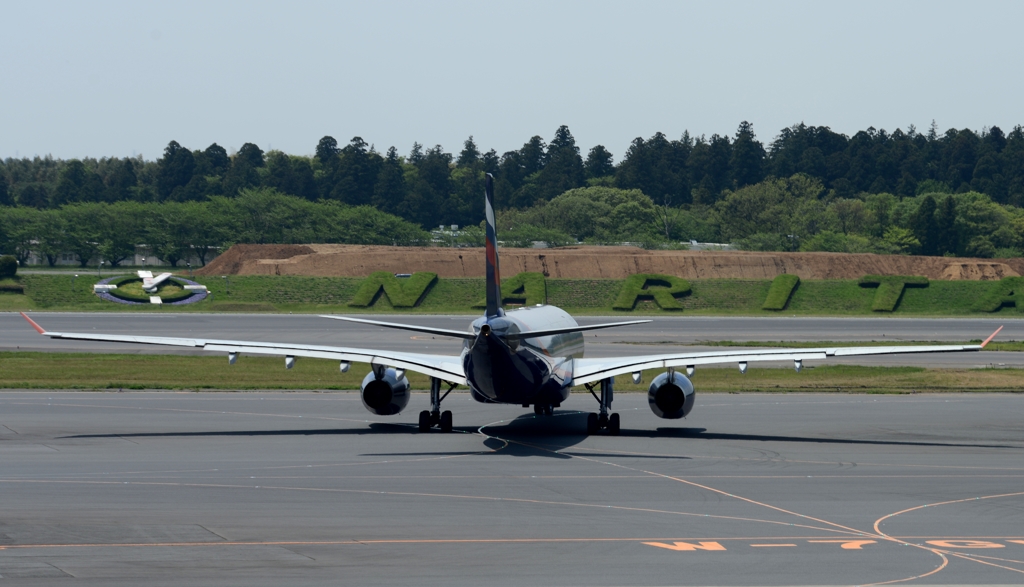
<point>39,328</point>
<point>493,274</point>
<point>989,339</point>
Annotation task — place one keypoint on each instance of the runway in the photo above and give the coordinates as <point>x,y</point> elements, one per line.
<point>309,489</point>
<point>663,335</point>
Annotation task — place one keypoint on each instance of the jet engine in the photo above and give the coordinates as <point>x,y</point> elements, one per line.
<point>671,395</point>
<point>385,392</point>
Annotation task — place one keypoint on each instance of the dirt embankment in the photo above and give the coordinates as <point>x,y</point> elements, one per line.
<point>594,262</point>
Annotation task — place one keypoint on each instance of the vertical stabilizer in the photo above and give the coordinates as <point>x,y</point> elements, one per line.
<point>493,274</point>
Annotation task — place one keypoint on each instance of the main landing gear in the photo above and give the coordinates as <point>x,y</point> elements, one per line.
<point>435,417</point>
<point>544,410</point>
<point>603,420</point>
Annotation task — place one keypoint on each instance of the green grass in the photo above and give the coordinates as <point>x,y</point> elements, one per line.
<point>711,297</point>
<point>28,370</point>
<point>780,291</point>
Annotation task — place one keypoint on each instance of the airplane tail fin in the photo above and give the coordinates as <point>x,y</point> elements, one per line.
<point>493,274</point>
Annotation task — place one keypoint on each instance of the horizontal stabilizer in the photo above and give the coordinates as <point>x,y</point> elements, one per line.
<point>567,330</point>
<point>412,327</point>
<point>471,336</point>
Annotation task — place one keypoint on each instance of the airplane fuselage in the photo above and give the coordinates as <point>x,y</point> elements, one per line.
<point>501,366</point>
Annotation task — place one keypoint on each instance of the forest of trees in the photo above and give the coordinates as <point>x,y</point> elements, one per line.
<point>955,193</point>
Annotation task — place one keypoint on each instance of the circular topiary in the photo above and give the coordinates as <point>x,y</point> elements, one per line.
<point>144,297</point>
<point>8,266</point>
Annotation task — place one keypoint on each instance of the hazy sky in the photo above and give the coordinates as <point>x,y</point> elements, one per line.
<point>120,78</point>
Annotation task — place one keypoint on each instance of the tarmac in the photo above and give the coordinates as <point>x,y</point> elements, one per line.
<point>166,488</point>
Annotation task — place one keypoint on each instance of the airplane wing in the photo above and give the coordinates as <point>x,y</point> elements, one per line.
<point>445,367</point>
<point>590,370</point>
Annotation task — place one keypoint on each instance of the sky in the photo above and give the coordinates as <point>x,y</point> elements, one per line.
<point>119,79</point>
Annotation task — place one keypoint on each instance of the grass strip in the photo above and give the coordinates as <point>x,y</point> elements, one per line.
<point>581,297</point>
<point>35,370</point>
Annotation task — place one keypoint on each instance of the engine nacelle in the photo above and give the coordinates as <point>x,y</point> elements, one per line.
<point>671,396</point>
<point>386,395</point>
<point>477,396</point>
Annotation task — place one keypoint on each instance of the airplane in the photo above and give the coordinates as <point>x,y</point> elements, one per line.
<point>531,356</point>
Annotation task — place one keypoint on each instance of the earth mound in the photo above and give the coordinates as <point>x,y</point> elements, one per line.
<point>594,262</point>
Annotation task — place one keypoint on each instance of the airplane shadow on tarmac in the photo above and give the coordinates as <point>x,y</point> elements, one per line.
<point>532,436</point>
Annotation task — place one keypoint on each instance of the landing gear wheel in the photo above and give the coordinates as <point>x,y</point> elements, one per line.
<point>446,421</point>
<point>425,423</point>
<point>548,410</point>
<point>613,425</point>
<point>592,426</point>
<point>538,409</point>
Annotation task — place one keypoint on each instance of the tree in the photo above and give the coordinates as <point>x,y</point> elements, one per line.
<point>264,215</point>
<point>52,235</point>
<point>122,226</point>
<point>83,228</point>
<point>416,154</point>
<point>34,195</point>
<point>121,181</point>
<point>946,236</point>
<point>470,155</point>
<point>175,169</point>
<point>243,172</point>
<point>657,167</point>
<point>355,173</point>
<point>563,169</point>
<point>327,150</point>
<point>708,165</point>
<point>431,187</point>
<point>852,215</point>
<point>212,166</point>
<point>169,232</point>
<point>390,189</point>
<point>206,231</point>
<point>251,155</point>
<point>290,175</point>
<point>5,195</point>
<point>599,163</point>
<point>924,227</point>
<point>747,157</point>
<point>77,183</point>
<point>22,229</point>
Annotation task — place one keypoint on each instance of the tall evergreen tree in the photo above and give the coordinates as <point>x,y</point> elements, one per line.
<point>121,181</point>
<point>5,195</point>
<point>175,169</point>
<point>77,183</point>
<point>214,161</point>
<point>327,149</point>
<point>243,172</point>
<point>416,154</point>
<point>356,173</point>
<point>599,162</point>
<point>746,165</point>
<point>924,226</point>
<point>469,155</point>
<point>390,190</point>
<point>564,168</point>
<point>290,175</point>
<point>946,237</point>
